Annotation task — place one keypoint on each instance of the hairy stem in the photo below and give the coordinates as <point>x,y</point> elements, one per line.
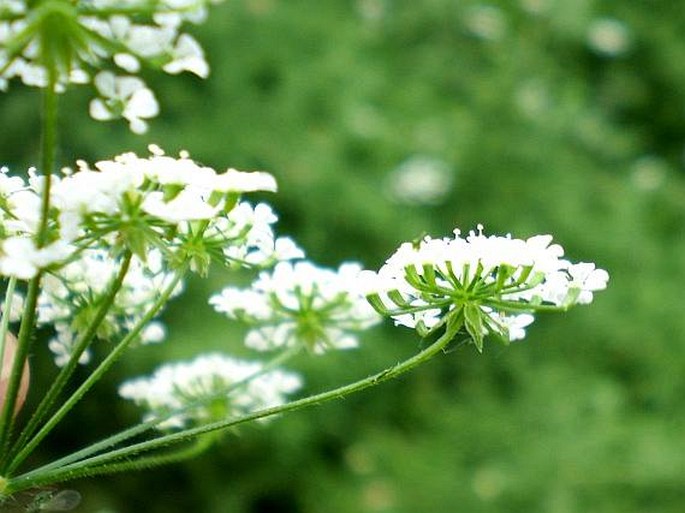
<point>42,476</point>
<point>18,452</point>
<point>100,370</point>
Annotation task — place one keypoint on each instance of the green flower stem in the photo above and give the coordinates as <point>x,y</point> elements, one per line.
<point>513,306</point>
<point>99,463</point>
<point>48,150</point>
<point>20,355</point>
<point>129,433</point>
<point>100,371</point>
<point>4,323</point>
<point>67,371</point>
<point>195,448</point>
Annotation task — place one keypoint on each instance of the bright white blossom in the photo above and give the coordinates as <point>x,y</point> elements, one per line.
<point>300,304</point>
<point>174,204</point>
<point>94,36</point>
<point>212,387</point>
<point>19,256</point>
<point>488,284</point>
<point>123,97</point>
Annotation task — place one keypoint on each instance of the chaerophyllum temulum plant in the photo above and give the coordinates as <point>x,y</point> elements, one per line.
<point>94,252</point>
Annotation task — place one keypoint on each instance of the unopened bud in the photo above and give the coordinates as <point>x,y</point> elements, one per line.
<point>7,363</point>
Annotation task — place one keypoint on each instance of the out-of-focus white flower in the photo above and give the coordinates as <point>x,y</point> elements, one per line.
<point>300,304</point>
<point>608,36</point>
<point>62,345</point>
<point>210,388</point>
<point>649,173</point>
<point>535,6</point>
<point>239,181</point>
<point>421,180</point>
<point>126,97</point>
<point>149,33</point>
<point>187,55</point>
<point>486,22</point>
<point>70,296</point>
<point>19,256</point>
<point>487,284</point>
<point>16,307</point>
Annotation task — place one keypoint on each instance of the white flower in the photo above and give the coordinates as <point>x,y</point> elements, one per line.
<point>19,256</point>
<point>421,180</point>
<point>188,205</point>
<point>609,37</point>
<point>69,296</point>
<point>490,284</point>
<point>62,346</point>
<point>187,55</point>
<point>126,97</point>
<point>151,33</point>
<point>300,304</point>
<point>239,181</point>
<point>209,388</point>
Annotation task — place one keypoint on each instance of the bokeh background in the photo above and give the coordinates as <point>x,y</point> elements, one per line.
<point>387,119</point>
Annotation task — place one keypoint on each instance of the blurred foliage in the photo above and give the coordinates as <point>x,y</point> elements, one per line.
<point>550,116</point>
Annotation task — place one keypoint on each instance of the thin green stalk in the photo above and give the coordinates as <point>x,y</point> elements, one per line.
<point>40,476</point>
<point>4,324</point>
<point>138,429</point>
<point>99,371</point>
<point>20,355</point>
<point>67,371</point>
<point>196,448</point>
<point>48,151</point>
<point>513,306</point>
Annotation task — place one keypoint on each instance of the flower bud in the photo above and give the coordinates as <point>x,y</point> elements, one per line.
<point>7,363</point>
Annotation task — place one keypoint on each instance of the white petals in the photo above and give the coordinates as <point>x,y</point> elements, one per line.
<point>187,55</point>
<point>211,387</point>
<point>125,41</point>
<point>19,256</point>
<point>498,281</point>
<point>300,304</point>
<point>126,97</point>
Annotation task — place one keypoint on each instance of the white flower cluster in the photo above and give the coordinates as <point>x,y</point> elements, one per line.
<point>124,34</point>
<point>211,387</point>
<point>70,297</point>
<point>490,284</point>
<point>300,304</point>
<point>173,204</point>
<point>20,210</point>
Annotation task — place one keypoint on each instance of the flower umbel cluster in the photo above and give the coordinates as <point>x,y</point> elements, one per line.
<point>71,296</point>
<point>300,304</point>
<point>211,387</point>
<point>488,284</point>
<point>74,40</point>
<point>187,211</point>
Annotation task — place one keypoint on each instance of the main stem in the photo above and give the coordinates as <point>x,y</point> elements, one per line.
<point>111,358</point>
<point>118,458</point>
<point>67,371</point>
<point>48,151</point>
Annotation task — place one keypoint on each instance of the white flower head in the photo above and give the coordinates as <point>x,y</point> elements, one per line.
<point>212,387</point>
<point>487,284</point>
<point>300,304</point>
<point>150,33</point>
<point>125,97</point>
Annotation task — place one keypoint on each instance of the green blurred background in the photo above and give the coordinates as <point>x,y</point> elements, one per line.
<point>384,119</point>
